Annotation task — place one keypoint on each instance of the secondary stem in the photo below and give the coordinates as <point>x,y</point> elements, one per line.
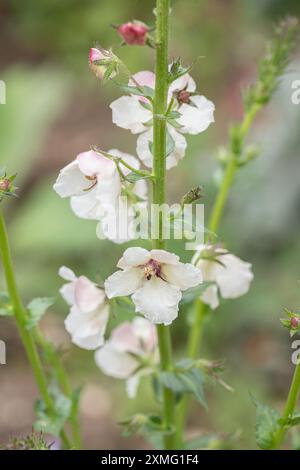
<point>159,170</point>
<point>20,316</point>
<point>289,407</point>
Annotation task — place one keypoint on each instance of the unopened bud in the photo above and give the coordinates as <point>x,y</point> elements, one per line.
<point>133,33</point>
<point>5,185</point>
<point>192,195</point>
<point>103,63</point>
<point>294,322</point>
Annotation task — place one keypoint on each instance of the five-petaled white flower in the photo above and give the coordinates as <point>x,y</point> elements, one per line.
<point>155,280</point>
<point>89,313</point>
<point>230,276</point>
<point>130,353</point>
<point>94,184</point>
<point>134,112</point>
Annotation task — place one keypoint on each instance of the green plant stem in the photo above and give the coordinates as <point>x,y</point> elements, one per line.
<point>289,407</point>
<point>159,171</point>
<point>196,331</point>
<point>21,316</point>
<point>63,381</point>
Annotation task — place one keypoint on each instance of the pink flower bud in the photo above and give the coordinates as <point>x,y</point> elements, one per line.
<point>294,322</point>
<point>5,184</point>
<point>108,59</point>
<point>134,34</point>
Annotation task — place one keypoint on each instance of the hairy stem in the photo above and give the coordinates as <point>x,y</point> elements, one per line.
<point>159,171</point>
<point>21,316</point>
<point>289,407</point>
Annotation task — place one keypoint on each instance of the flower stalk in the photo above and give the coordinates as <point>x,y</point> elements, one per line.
<point>159,171</point>
<point>21,316</point>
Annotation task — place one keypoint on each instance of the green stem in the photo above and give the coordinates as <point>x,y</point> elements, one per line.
<point>196,332</point>
<point>159,171</point>
<point>21,316</point>
<point>63,381</point>
<point>289,407</point>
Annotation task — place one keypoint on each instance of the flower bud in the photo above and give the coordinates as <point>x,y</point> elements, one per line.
<point>192,195</point>
<point>294,322</point>
<point>133,33</point>
<point>5,185</point>
<point>103,63</point>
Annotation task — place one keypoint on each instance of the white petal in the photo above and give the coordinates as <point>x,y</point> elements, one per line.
<point>234,278</point>
<point>157,300</point>
<point>145,140</point>
<point>87,295</point>
<point>196,119</point>
<point>210,296</point>
<point>163,256</point>
<point>133,256</point>
<point>182,275</point>
<point>146,332</point>
<point>70,181</point>
<point>123,283</point>
<point>132,385</point>
<point>115,363</point>
<point>143,78</point>
<point>67,292</point>
<point>87,329</point>
<point>66,273</point>
<point>87,206</point>
<point>181,83</point>
<point>130,159</point>
<point>125,339</point>
<point>128,113</point>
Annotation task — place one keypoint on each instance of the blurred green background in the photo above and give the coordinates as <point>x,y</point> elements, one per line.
<point>56,109</point>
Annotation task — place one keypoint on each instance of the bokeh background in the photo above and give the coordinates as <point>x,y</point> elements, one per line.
<point>56,109</point>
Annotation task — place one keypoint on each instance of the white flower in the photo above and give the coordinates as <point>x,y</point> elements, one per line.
<point>88,317</point>
<point>155,280</point>
<point>94,184</point>
<point>135,113</point>
<point>130,346</point>
<point>231,276</point>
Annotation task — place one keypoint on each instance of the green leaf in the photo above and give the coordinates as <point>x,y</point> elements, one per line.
<point>134,177</point>
<point>291,421</point>
<point>145,91</point>
<point>267,424</point>
<point>6,308</point>
<point>52,423</point>
<point>36,309</point>
<point>193,293</point>
<point>185,381</point>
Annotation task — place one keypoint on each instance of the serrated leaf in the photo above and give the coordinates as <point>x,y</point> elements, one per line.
<point>36,309</point>
<point>52,422</point>
<point>291,421</point>
<point>186,381</point>
<point>267,424</point>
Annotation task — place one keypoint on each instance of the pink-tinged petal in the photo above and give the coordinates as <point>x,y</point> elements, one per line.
<point>87,295</point>
<point>146,332</point>
<point>234,278</point>
<point>143,78</point>
<point>115,363</point>
<point>133,256</point>
<point>210,296</point>
<point>157,301</point>
<point>125,339</point>
<point>133,33</point>
<point>67,274</point>
<point>70,181</point>
<point>95,54</point>
<point>123,283</point>
<point>182,275</point>
<point>128,113</point>
<point>92,163</point>
<point>196,119</point>
<point>165,257</point>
